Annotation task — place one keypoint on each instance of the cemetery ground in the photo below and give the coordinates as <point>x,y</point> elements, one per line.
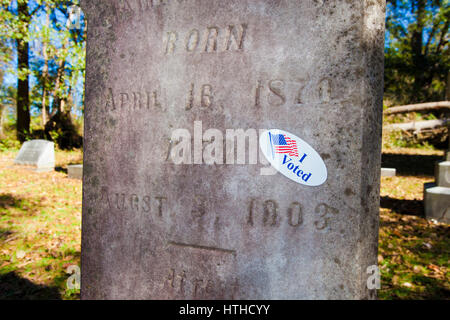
<point>40,230</point>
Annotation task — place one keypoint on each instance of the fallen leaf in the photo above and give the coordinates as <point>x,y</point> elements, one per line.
<point>407,284</point>
<point>433,267</point>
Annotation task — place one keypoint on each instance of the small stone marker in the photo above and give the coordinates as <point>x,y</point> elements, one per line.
<point>388,172</point>
<point>75,171</point>
<point>38,153</point>
<point>437,202</point>
<point>443,174</point>
<point>437,195</point>
<point>164,215</point>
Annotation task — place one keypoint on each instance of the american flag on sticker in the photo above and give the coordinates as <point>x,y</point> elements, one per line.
<point>281,143</point>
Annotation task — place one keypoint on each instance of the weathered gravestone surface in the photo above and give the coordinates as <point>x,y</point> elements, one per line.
<point>37,153</point>
<point>154,229</point>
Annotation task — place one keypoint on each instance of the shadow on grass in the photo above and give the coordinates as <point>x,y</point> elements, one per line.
<point>9,201</point>
<point>4,233</point>
<point>13,287</point>
<point>410,164</point>
<point>406,207</point>
<point>61,169</point>
<point>410,242</point>
<point>433,290</point>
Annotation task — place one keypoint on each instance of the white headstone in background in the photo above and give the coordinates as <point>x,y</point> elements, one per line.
<point>388,172</point>
<point>39,153</point>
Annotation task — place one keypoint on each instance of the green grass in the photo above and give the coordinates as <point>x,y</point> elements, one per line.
<point>40,226</point>
<point>414,253</point>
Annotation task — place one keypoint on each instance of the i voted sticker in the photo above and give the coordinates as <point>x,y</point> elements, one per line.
<point>293,157</point>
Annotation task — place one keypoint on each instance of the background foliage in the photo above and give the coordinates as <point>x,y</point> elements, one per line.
<point>46,57</point>
<point>417,60</point>
<point>42,63</point>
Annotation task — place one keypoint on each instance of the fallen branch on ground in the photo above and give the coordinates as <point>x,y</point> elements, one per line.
<point>418,107</point>
<point>418,125</point>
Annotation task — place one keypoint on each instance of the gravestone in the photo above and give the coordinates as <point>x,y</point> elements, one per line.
<point>442,173</point>
<point>75,171</point>
<point>437,195</point>
<point>388,172</point>
<point>155,227</point>
<point>37,153</point>
<point>437,202</point>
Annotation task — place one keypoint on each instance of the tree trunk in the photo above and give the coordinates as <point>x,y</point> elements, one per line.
<point>418,57</point>
<point>57,101</point>
<point>45,74</point>
<point>23,99</point>
<point>2,112</point>
<point>448,87</point>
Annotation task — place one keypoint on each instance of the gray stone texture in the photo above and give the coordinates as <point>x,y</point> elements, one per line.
<point>155,230</point>
<point>388,172</point>
<point>75,171</point>
<point>442,174</point>
<point>437,195</point>
<point>37,153</point>
<point>437,203</point>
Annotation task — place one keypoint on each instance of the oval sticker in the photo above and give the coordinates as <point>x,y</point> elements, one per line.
<point>293,157</point>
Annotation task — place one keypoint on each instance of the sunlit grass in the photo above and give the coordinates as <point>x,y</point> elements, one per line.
<point>414,253</point>
<point>40,229</point>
